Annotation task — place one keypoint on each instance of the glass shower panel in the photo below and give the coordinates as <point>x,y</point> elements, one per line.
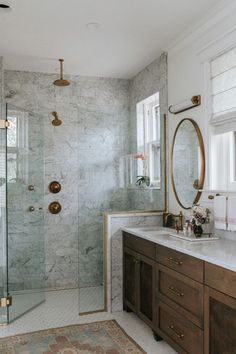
<point>91,254</point>
<point>3,260</point>
<point>25,217</point>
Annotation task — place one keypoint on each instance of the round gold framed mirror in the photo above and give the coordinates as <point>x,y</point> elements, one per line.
<point>187,163</point>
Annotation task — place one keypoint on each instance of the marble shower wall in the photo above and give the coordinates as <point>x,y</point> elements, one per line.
<point>82,154</point>
<point>149,81</point>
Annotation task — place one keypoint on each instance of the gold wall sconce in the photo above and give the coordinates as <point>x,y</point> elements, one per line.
<point>54,187</point>
<point>56,121</point>
<point>186,105</point>
<point>54,207</point>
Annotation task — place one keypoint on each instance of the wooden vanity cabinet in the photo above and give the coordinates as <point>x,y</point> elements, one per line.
<point>178,331</point>
<point>139,280</point>
<point>186,301</point>
<point>220,310</point>
<point>181,293</point>
<point>182,263</point>
<point>130,284</point>
<point>179,300</point>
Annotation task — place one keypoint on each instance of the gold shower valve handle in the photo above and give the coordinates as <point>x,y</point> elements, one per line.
<point>54,207</point>
<point>54,187</point>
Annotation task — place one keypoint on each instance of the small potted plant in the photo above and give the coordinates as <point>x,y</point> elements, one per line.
<point>200,216</point>
<point>142,181</point>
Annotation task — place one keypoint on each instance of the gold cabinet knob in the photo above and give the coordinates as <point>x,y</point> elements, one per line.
<point>54,207</point>
<point>54,187</point>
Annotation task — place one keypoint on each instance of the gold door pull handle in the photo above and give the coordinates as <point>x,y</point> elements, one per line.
<point>179,335</point>
<point>170,259</point>
<point>175,291</point>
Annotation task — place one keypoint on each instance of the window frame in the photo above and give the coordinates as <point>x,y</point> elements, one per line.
<point>227,155</point>
<point>144,107</point>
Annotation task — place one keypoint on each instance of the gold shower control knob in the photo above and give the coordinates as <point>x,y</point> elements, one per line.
<point>54,207</point>
<point>54,187</point>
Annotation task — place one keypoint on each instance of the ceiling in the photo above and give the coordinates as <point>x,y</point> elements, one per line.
<point>131,33</point>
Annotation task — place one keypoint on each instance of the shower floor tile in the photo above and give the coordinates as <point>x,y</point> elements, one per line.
<point>61,308</point>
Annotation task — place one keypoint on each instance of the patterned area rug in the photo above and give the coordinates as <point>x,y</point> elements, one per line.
<point>99,337</point>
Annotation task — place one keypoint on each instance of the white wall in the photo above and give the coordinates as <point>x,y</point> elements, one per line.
<point>187,71</point>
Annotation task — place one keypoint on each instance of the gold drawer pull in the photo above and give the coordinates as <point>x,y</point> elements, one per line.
<point>175,291</point>
<point>180,336</point>
<point>170,259</point>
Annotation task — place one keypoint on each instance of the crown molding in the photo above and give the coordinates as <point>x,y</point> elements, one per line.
<point>214,16</point>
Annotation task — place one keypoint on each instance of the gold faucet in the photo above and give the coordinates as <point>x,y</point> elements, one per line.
<point>178,224</point>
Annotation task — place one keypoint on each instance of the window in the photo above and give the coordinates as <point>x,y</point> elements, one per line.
<point>148,139</point>
<point>223,122</point>
<point>17,146</point>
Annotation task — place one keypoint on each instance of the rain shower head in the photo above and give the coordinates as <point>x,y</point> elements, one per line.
<point>61,81</point>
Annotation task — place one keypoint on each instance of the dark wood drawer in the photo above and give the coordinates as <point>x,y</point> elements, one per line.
<point>183,335</point>
<point>182,263</point>
<point>182,293</point>
<point>147,248</point>
<point>220,279</point>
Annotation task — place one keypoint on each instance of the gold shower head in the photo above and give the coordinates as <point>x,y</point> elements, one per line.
<point>61,81</point>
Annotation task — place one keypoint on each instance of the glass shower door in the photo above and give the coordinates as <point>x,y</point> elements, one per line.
<point>3,255</point>
<point>25,216</point>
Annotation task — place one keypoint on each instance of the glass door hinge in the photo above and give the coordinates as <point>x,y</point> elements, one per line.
<point>4,124</point>
<point>5,301</point>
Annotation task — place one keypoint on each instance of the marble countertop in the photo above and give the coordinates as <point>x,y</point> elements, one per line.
<point>221,252</point>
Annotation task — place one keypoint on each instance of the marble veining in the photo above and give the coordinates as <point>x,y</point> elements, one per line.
<point>147,82</point>
<point>82,155</point>
<point>99,127</point>
<point>115,223</point>
<point>219,252</point>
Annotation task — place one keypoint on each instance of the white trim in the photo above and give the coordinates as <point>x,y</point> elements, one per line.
<point>207,113</point>
<point>218,46</point>
<point>222,119</point>
<point>217,14</point>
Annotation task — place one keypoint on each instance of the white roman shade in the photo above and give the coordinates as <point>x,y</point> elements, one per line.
<point>223,86</point>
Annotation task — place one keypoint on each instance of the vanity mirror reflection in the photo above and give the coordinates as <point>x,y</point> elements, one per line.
<point>187,163</point>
